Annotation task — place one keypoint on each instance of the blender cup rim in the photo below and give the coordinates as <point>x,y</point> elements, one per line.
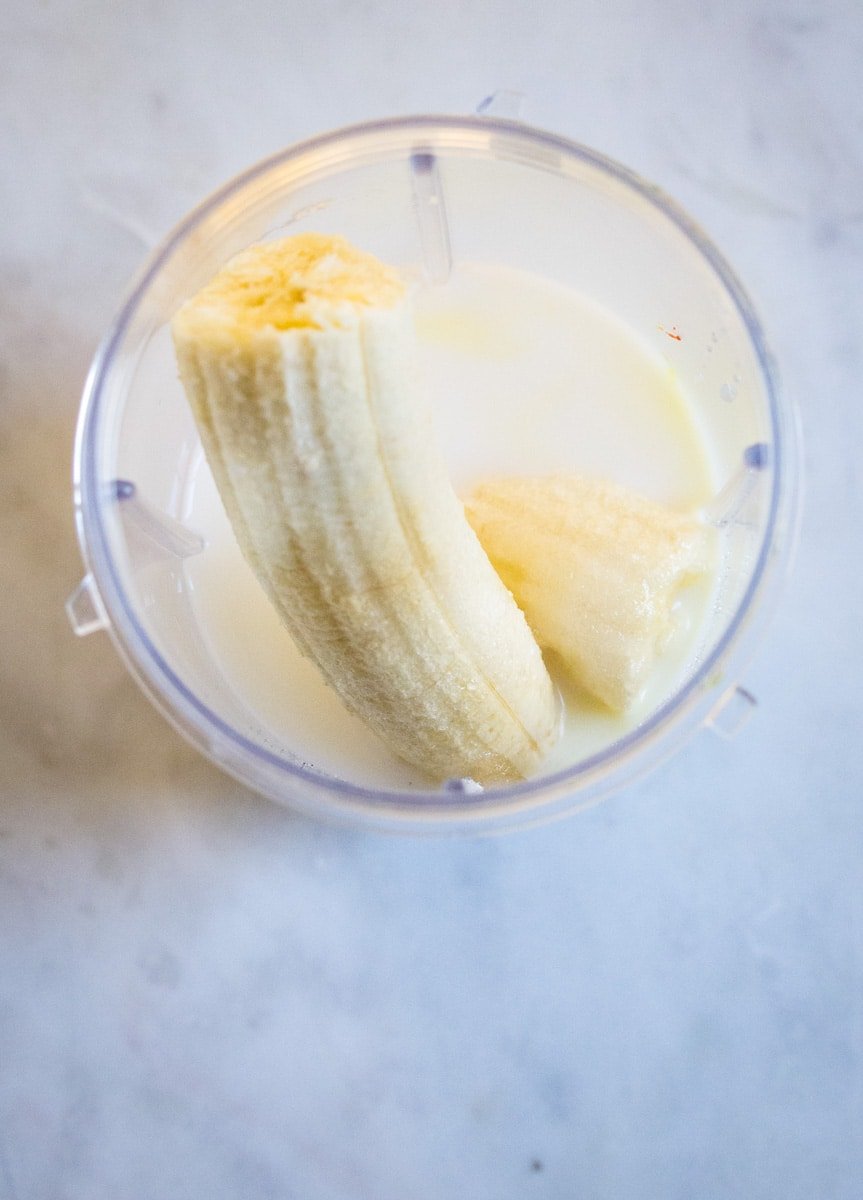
<point>316,793</point>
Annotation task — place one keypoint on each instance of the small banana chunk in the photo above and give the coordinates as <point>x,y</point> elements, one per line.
<point>300,366</point>
<point>595,569</point>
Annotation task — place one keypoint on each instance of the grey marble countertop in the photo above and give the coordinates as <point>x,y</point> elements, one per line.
<point>202,995</point>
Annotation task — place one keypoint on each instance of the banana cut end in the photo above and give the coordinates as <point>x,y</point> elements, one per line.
<point>307,281</point>
<point>596,570</point>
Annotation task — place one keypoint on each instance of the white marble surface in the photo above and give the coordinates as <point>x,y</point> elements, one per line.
<point>202,995</point>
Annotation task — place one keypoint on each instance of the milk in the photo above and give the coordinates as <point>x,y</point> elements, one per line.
<point>523,377</point>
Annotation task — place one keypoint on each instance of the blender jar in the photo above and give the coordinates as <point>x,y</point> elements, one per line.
<point>421,193</point>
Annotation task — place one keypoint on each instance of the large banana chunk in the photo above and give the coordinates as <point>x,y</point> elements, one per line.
<point>299,363</point>
<point>595,569</point>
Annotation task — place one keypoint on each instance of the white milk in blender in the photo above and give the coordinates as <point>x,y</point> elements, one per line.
<point>524,377</point>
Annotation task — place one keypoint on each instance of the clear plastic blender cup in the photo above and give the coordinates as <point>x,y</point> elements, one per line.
<point>420,193</point>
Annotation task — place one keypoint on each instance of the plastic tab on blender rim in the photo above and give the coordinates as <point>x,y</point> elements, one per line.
<point>84,608</point>
<point>502,103</point>
<point>731,712</point>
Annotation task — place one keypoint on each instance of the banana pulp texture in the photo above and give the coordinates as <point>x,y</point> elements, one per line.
<point>596,570</point>
<point>299,363</point>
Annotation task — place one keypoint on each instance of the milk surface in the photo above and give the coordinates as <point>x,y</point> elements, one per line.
<point>523,377</point>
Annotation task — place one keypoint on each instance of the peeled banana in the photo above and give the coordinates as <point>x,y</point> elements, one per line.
<point>595,569</point>
<point>299,363</point>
